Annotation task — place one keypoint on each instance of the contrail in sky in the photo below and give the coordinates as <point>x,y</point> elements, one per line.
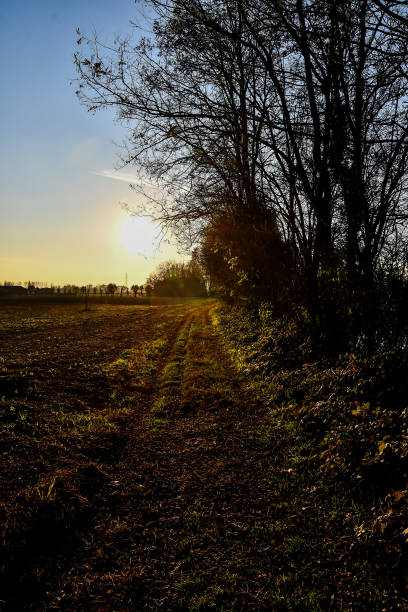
<point>127,178</point>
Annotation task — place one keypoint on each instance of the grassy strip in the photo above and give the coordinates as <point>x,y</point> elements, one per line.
<point>136,368</point>
<point>229,553</point>
<point>170,381</point>
<point>335,438</point>
<point>205,383</point>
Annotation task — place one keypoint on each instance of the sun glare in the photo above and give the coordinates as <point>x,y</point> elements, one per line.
<point>139,236</point>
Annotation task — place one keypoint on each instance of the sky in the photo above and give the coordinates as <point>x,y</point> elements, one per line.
<point>60,217</point>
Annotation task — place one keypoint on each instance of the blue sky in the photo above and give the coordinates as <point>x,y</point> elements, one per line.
<point>60,220</point>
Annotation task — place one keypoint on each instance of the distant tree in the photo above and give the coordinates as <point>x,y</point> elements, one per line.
<point>148,290</point>
<point>135,289</point>
<point>87,292</point>
<point>111,288</point>
<point>141,289</point>
<point>175,279</point>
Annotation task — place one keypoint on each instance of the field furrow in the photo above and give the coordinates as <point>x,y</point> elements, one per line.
<point>70,394</point>
<point>182,526</point>
<point>132,478</point>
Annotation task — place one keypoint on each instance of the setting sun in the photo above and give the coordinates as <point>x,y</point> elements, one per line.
<point>139,236</point>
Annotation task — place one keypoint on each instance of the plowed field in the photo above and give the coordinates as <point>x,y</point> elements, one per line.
<point>129,477</point>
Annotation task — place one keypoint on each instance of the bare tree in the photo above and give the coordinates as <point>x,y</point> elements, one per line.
<point>293,111</point>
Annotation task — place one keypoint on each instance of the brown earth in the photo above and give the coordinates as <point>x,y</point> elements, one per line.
<point>127,506</point>
<point>137,472</point>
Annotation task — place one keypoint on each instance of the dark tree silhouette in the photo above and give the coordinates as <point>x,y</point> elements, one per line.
<point>175,279</point>
<point>293,109</point>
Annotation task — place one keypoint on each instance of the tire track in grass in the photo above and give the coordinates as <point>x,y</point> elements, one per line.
<point>185,526</point>
<point>206,385</point>
<point>80,494</point>
<point>137,376</point>
<point>154,413</point>
<point>168,395</point>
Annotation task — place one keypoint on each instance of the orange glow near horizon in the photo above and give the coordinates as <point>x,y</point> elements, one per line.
<point>106,246</point>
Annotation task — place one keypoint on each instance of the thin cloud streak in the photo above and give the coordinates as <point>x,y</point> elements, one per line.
<point>127,178</point>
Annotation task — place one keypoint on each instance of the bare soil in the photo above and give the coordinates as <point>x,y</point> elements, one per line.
<point>106,505</point>
<point>138,471</point>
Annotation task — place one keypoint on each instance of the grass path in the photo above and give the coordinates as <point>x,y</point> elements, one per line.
<point>182,524</point>
<point>193,506</point>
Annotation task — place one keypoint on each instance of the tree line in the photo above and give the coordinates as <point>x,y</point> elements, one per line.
<point>39,287</point>
<point>170,279</point>
<point>277,132</point>
<point>177,279</point>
